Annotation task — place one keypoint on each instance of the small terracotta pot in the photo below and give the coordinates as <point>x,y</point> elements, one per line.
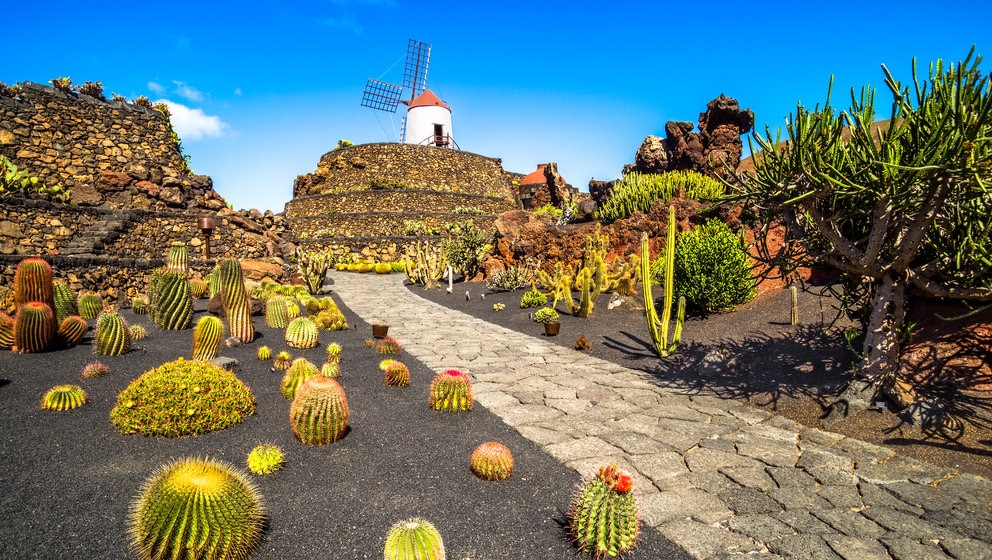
<point>551,329</point>
<point>379,330</point>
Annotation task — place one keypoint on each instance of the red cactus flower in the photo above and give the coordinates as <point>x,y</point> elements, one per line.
<point>624,483</point>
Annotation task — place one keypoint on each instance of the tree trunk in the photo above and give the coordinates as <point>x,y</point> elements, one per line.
<point>880,350</point>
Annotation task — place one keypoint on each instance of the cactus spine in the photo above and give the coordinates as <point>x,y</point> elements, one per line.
<point>451,391</point>
<point>34,327</point>
<point>492,461</point>
<point>414,539</point>
<point>196,508</point>
<point>90,305</point>
<point>298,373</point>
<point>302,333</point>
<point>207,336</point>
<point>64,397</point>
<point>319,413</point>
<point>603,517</point>
<point>72,329</point>
<point>235,298</point>
<point>659,328</point>
<point>65,301</point>
<point>177,260</point>
<point>113,338</point>
<point>277,312</point>
<point>171,306</point>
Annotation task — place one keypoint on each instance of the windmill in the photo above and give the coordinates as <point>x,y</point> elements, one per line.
<point>428,119</point>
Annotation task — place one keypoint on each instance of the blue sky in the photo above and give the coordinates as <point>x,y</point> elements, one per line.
<point>261,89</point>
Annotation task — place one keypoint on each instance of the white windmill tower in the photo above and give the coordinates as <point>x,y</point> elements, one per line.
<point>428,119</point>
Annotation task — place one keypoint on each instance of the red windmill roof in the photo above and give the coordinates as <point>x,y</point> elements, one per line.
<point>427,99</point>
<point>536,176</point>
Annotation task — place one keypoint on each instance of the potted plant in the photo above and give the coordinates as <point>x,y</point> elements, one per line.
<point>379,330</point>
<point>549,317</point>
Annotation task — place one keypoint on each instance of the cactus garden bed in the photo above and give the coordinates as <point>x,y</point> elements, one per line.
<point>69,477</point>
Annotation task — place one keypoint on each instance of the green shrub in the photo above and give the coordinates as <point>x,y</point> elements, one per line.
<point>636,192</point>
<point>533,298</point>
<point>549,210</point>
<point>712,268</point>
<point>465,253</point>
<point>546,315</point>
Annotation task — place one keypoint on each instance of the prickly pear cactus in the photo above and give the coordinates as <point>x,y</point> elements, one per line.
<point>90,305</point>
<point>319,413</point>
<point>63,397</point>
<point>492,461</point>
<point>207,336</point>
<point>34,327</point>
<point>451,391</point>
<point>113,338</point>
<point>72,329</point>
<point>299,371</point>
<point>414,539</point>
<point>603,519</point>
<point>302,333</point>
<point>197,508</point>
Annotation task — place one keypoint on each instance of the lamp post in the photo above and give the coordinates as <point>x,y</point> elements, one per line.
<point>206,225</point>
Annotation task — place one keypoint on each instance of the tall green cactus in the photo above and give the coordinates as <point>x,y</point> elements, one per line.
<point>34,327</point>
<point>177,260</point>
<point>235,298</point>
<point>207,336</point>
<point>33,282</point>
<point>659,327</point>
<point>113,338</point>
<point>65,301</point>
<point>319,413</point>
<point>170,303</point>
<point>277,312</point>
<point>603,518</point>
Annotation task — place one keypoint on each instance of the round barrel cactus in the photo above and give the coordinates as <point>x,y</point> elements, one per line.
<point>72,329</point>
<point>34,327</point>
<point>90,305</point>
<point>197,287</point>
<point>63,397</point>
<point>264,353</point>
<point>95,369</point>
<point>113,337</point>
<point>138,332</point>
<point>492,461</point>
<point>331,369</point>
<point>299,371</point>
<point>277,312</point>
<point>265,459</point>
<point>334,352</point>
<point>207,336</point>
<point>171,304</point>
<point>177,258</point>
<point>397,374</point>
<point>302,333</point>
<point>389,346</point>
<point>282,361</point>
<point>603,519</point>
<point>197,508</point>
<point>319,413</point>
<point>414,539</point>
<point>451,391</point>
<point>139,305</point>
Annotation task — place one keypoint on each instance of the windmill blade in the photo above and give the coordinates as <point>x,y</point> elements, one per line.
<point>418,58</point>
<point>381,96</point>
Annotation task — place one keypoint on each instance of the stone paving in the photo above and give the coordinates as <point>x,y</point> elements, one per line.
<point>714,476</point>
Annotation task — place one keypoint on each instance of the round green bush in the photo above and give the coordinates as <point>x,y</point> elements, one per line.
<point>712,267</point>
<point>182,398</point>
<point>533,298</point>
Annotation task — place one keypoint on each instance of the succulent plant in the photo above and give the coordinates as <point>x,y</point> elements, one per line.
<point>197,287</point>
<point>170,303</point>
<point>95,369</point>
<point>177,259</point>
<point>72,329</point>
<point>213,282</point>
<point>182,398</point>
<point>282,361</point>
<point>139,305</point>
<point>386,363</point>
<point>113,338</point>
<point>603,519</point>
<point>383,268</point>
<point>334,352</point>
<point>331,369</point>
<point>265,459</point>
<point>33,282</point>
<point>63,397</point>
<point>6,331</point>
<point>492,461</point>
<point>65,301</point>
<point>302,333</point>
<point>397,375</point>
<point>197,508</point>
<point>277,312</point>
<point>90,305</point>
<point>34,327</point>
<point>414,539</point>
<point>451,391</point>
<point>207,336</point>
<point>299,371</point>
<point>235,299</point>
<point>331,320</point>
<point>319,413</point>
<point>138,332</point>
<point>294,309</point>
<point>264,353</point>
<point>389,346</point>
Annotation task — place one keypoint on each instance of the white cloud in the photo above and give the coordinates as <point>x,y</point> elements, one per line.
<point>237,91</point>
<point>188,92</point>
<point>156,88</point>
<point>194,124</point>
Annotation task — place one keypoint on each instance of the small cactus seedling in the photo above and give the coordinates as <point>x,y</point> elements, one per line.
<point>389,346</point>
<point>492,461</point>
<point>319,413</point>
<point>264,353</point>
<point>414,539</point>
<point>282,361</point>
<point>64,397</point>
<point>603,519</point>
<point>299,371</point>
<point>451,391</point>
<point>207,336</point>
<point>197,508</point>
<point>90,305</point>
<point>302,333</point>
<point>72,329</point>
<point>95,369</point>
<point>331,369</point>
<point>397,375</point>
<point>265,459</point>
<point>138,332</point>
<point>334,352</point>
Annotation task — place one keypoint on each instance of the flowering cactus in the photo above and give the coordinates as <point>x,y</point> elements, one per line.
<point>451,391</point>
<point>603,518</point>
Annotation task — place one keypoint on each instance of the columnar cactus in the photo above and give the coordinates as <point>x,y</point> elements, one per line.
<point>319,413</point>
<point>414,539</point>
<point>451,391</point>
<point>65,301</point>
<point>235,298</point>
<point>33,282</point>
<point>197,508</point>
<point>34,327</point>
<point>397,375</point>
<point>603,517</point>
<point>177,260</point>
<point>207,336</point>
<point>299,372</point>
<point>171,305</point>
<point>113,338</point>
<point>277,312</point>
<point>72,329</point>
<point>90,305</point>
<point>64,397</point>
<point>265,459</point>
<point>492,461</point>
<point>302,333</point>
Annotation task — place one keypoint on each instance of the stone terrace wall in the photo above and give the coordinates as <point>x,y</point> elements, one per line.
<point>402,200</point>
<point>379,224</point>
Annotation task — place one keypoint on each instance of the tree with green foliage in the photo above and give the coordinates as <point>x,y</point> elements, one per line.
<point>895,205</point>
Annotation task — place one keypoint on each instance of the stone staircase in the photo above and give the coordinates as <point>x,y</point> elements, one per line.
<point>92,242</point>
